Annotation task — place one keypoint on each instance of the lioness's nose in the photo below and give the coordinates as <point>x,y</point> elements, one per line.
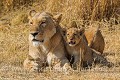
<point>34,34</point>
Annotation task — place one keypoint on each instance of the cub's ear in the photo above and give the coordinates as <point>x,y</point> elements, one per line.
<point>73,24</point>
<point>63,31</point>
<point>32,13</point>
<point>58,17</point>
<point>81,31</point>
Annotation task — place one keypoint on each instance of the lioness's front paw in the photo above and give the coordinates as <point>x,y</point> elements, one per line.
<point>31,66</point>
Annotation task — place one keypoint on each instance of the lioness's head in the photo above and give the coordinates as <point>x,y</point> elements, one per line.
<point>43,26</point>
<point>73,35</point>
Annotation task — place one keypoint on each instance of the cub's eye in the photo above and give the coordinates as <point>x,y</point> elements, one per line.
<point>43,24</point>
<point>80,33</point>
<point>64,34</point>
<point>75,34</point>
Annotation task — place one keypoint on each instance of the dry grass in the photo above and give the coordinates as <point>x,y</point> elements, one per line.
<point>14,36</point>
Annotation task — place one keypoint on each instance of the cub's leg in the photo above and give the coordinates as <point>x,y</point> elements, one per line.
<point>77,61</point>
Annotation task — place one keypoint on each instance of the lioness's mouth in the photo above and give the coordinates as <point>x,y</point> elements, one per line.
<point>38,40</point>
<point>35,40</point>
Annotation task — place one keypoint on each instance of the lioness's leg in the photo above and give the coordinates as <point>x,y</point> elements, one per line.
<point>58,63</point>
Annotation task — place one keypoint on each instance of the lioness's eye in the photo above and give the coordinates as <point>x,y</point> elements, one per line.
<point>31,23</point>
<point>42,22</point>
<point>67,34</point>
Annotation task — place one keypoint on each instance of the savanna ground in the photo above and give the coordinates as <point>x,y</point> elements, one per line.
<point>14,31</point>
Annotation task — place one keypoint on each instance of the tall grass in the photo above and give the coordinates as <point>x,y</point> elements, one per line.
<point>72,9</point>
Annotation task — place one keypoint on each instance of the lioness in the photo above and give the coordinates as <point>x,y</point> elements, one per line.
<point>95,39</point>
<point>77,46</point>
<point>45,39</point>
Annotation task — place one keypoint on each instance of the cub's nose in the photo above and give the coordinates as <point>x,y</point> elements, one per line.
<point>34,34</point>
<point>71,39</point>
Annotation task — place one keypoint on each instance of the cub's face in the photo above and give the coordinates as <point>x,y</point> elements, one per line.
<point>42,27</point>
<point>73,35</point>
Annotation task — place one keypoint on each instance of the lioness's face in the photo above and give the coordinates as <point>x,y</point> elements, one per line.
<point>42,28</point>
<point>73,36</point>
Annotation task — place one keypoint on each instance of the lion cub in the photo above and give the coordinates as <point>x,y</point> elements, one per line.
<point>76,45</point>
<point>93,37</point>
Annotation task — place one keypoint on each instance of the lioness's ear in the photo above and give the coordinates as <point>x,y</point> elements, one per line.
<point>73,24</point>
<point>58,17</point>
<point>81,31</point>
<point>32,13</point>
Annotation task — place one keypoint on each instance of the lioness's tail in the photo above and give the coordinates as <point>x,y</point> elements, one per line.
<point>100,59</point>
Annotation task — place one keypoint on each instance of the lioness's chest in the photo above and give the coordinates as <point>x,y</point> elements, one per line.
<point>43,48</point>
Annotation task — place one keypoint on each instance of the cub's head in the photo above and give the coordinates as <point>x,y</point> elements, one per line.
<point>42,26</point>
<point>73,35</point>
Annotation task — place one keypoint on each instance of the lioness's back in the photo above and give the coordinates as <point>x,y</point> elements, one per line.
<point>95,39</point>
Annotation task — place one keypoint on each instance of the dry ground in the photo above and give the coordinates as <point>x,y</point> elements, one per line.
<point>14,49</point>
<point>14,46</point>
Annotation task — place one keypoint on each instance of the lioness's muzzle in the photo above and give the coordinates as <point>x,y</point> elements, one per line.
<point>38,40</point>
<point>34,34</point>
<point>35,40</point>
